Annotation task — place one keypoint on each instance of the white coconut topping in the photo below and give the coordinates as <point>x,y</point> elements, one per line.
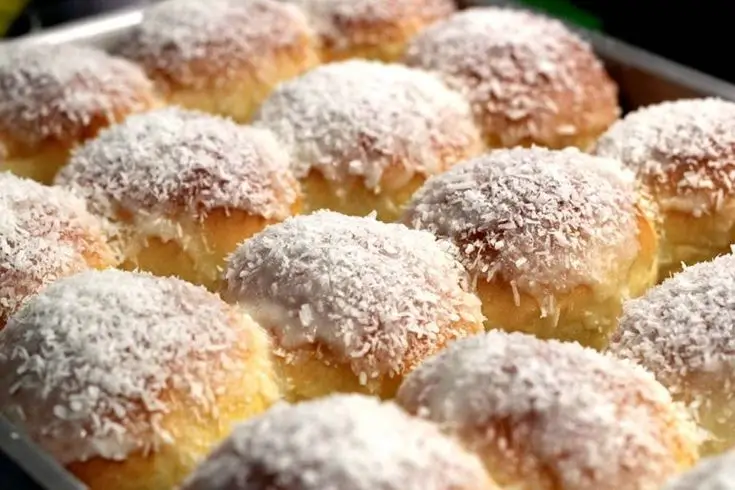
<point>199,44</point>
<point>343,442</point>
<point>60,92</point>
<point>89,366</point>
<point>174,161</point>
<point>687,147</point>
<point>378,296</point>
<point>359,118</point>
<point>589,420</point>
<point>543,220</point>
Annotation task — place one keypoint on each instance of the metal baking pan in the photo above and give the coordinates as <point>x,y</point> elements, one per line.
<point>643,79</point>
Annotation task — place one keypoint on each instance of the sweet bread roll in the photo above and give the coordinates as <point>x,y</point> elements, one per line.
<point>549,415</point>
<point>715,473</point>
<point>683,153</point>
<point>352,304</point>
<point>365,135</point>
<point>554,240</point>
<point>54,97</point>
<point>186,188</point>
<point>221,57</point>
<point>529,79</point>
<point>45,233</point>
<point>127,379</point>
<point>372,29</point>
<point>682,331</point>
<point>345,442</point>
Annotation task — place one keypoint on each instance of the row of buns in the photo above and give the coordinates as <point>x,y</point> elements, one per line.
<point>131,379</point>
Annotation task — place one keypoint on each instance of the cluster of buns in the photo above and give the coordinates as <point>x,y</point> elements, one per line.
<point>362,245</point>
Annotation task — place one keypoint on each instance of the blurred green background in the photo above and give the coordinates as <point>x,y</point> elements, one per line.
<point>567,11</point>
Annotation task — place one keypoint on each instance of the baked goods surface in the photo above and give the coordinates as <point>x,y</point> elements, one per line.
<point>683,332</point>
<point>345,442</point>
<point>45,233</point>
<point>683,153</point>
<point>54,97</point>
<point>221,57</point>
<point>128,379</point>
<point>186,187</point>
<point>365,135</point>
<point>549,415</point>
<point>371,29</point>
<point>530,80</point>
<point>352,304</point>
<point>554,239</point>
<point>715,473</point>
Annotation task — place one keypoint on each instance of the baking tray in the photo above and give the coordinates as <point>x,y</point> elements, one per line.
<point>643,79</point>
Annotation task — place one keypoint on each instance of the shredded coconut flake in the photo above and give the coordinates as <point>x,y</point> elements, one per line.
<point>716,473</point>
<point>589,420</point>
<point>343,442</point>
<point>199,44</point>
<point>684,330</point>
<point>362,117</point>
<point>686,146</point>
<point>543,220</point>
<point>61,92</point>
<point>44,232</point>
<point>344,23</point>
<point>85,363</point>
<point>514,64</point>
<point>378,296</point>
<point>173,161</point>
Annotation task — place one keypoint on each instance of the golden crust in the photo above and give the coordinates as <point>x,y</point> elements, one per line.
<point>372,29</point>
<point>585,314</point>
<point>398,183</point>
<point>198,251</point>
<point>48,108</point>
<point>547,415</point>
<point>313,371</point>
<point>193,434</point>
<point>529,79</point>
<point>227,64</point>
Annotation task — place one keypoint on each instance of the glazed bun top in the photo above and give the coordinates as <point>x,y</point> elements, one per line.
<point>377,296</point>
<point>92,364</point>
<point>366,119</point>
<point>589,420</point>
<point>198,44</point>
<point>342,442</point>
<point>536,218</point>
<point>65,93</point>
<point>684,150</point>
<point>173,161</point>
<point>517,65</point>
<point>682,330</point>
<point>45,233</point>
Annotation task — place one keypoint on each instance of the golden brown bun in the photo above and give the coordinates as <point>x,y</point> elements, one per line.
<point>554,239</point>
<point>45,233</point>
<point>371,29</point>
<point>529,79</point>
<point>54,97</point>
<point>682,331</point>
<point>221,57</point>
<point>352,304</point>
<point>549,415</point>
<point>684,156</point>
<point>365,135</point>
<point>185,187</point>
<point>345,442</point>
<point>135,402</point>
